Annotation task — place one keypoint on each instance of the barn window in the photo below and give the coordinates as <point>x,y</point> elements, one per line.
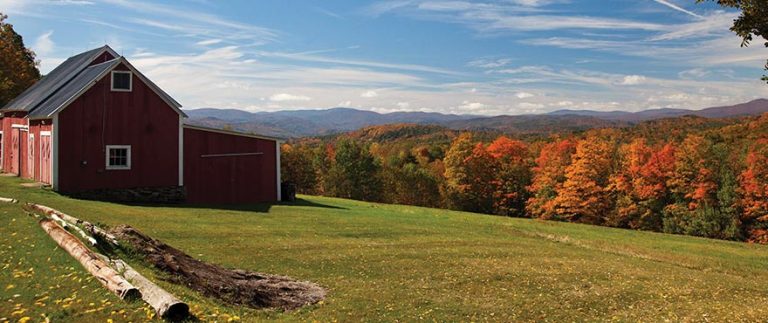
<point>118,157</point>
<point>122,81</point>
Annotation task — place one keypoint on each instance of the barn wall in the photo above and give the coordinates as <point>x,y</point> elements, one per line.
<point>9,119</point>
<point>101,117</point>
<point>228,179</point>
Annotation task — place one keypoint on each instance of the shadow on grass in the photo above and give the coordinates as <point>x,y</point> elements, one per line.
<point>257,207</point>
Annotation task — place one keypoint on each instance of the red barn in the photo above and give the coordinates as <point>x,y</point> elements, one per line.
<point>96,127</point>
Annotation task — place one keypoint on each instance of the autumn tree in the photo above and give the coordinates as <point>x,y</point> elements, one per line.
<point>705,187</point>
<point>753,190</point>
<point>512,176</point>
<point>468,176</point>
<point>548,177</point>
<point>752,23</point>
<point>584,196</point>
<point>354,172</point>
<point>18,68</point>
<point>297,167</point>
<point>640,185</point>
<point>410,184</point>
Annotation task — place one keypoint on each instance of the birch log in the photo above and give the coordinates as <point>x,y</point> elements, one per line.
<point>166,305</point>
<point>93,229</point>
<point>96,266</point>
<point>7,200</point>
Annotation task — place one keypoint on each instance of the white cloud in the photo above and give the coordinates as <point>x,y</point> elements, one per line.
<point>524,95</point>
<point>280,97</point>
<point>369,94</point>
<point>490,63</point>
<point>44,45</point>
<point>694,73</point>
<point>472,106</point>
<point>208,42</point>
<point>633,80</point>
<point>403,105</point>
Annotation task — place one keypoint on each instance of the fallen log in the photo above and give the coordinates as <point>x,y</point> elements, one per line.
<point>166,305</point>
<point>90,260</point>
<point>65,224</point>
<point>92,229</point>
<point>8,200</point>
<point>233,286</point>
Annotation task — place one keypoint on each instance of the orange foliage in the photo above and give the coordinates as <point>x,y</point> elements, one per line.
<point>754,191</point>
<point>693,177</point>
<point>584,196</point>
<point>548,176</point>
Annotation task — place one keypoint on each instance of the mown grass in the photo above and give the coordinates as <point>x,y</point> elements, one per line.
<point>388,262</point>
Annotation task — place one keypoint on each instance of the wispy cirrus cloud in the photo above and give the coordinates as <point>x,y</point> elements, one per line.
<point>678,8</point>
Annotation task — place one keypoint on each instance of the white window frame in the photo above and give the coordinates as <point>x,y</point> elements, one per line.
<point>112,81</point>
<point>128,155</point>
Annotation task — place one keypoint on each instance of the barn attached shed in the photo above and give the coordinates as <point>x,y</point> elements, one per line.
<point>225,167</point>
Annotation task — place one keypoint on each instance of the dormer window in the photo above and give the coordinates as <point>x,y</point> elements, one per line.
<point>122,81</point>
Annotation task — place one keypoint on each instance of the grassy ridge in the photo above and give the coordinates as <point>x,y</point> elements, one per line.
<point>388,262</point>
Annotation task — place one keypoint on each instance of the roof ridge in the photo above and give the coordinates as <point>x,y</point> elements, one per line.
<point>45,88</point>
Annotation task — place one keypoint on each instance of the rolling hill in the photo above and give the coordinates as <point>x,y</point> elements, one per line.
<point>305,123</point>
<point>392,263</point>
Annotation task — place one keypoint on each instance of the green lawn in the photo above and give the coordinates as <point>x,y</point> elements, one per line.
<point>388,262</point>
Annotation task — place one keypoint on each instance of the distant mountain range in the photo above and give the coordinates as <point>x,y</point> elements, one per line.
<point>304,123</point>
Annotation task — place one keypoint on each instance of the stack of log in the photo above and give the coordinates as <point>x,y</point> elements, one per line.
<point>129,285</point>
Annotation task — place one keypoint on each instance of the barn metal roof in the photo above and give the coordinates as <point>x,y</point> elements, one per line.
<point>230,132</point>
<point>85,80</point>
<point>43,89</point>
<point>71,79</point>
<point>74,88</point>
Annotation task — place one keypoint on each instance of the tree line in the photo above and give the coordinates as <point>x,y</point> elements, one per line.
<point>687,175</point>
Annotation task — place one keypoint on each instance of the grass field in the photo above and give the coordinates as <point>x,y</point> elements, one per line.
<point>388,262</point>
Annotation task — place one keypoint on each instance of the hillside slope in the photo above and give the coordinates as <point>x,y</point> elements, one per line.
<point>389,262</point>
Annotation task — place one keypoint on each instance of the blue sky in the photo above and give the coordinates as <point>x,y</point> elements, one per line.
<point>478,57</point>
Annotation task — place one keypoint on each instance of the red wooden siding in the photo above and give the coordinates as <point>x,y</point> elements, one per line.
<point>228,179</point>
<point>45,159</point>
<point>41,150</point>
<point>11,137</point>
<point>101,117</point>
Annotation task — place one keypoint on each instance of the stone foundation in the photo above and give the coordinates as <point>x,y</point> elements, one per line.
<point>171,194</point>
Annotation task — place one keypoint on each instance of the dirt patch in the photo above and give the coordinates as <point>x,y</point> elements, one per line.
<point>233,286</point>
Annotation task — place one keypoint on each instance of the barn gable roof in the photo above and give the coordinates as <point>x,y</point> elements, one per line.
<point>71,79</point>
<point>55,80</point>
<point>86,80</point>
<point>74,88</point>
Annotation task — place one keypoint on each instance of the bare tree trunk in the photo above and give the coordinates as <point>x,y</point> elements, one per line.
<point>165,305</point>
<point>95,265</point>
<point>92,229</point>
